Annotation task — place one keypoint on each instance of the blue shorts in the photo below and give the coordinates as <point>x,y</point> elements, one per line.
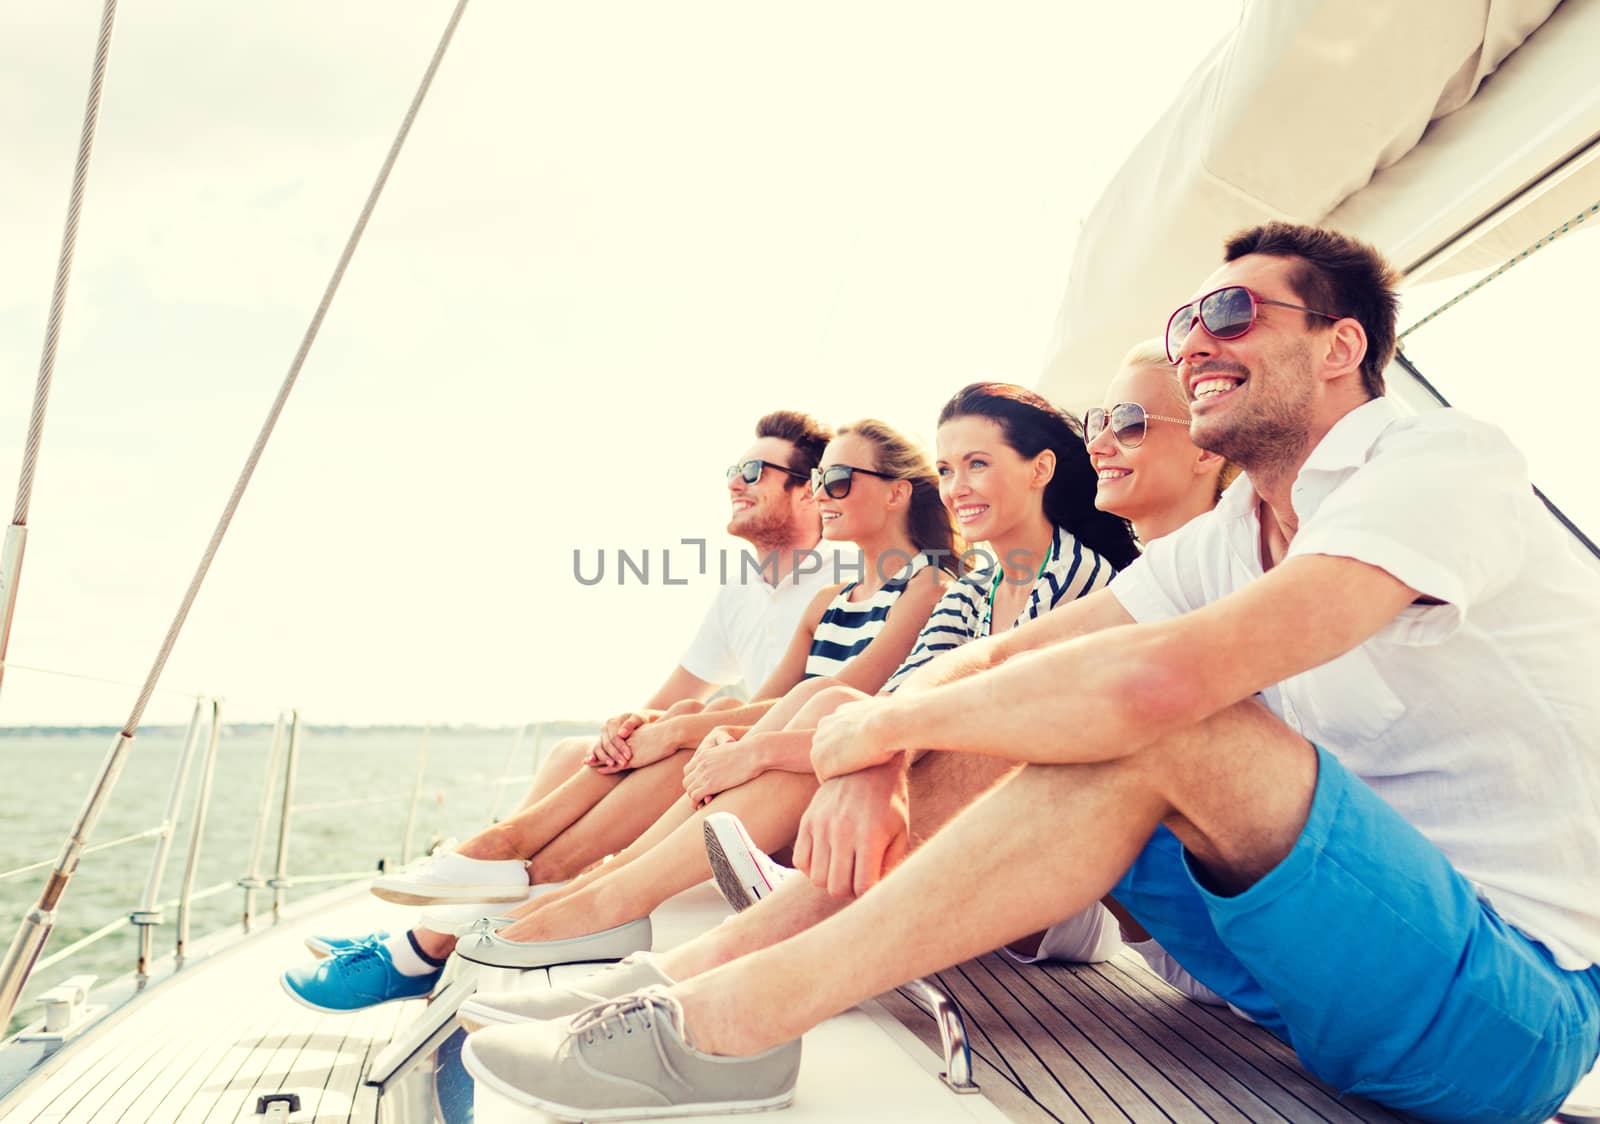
<point>1367,952</point>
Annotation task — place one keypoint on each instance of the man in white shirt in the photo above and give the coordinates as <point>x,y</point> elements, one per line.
<point>1335,745</point>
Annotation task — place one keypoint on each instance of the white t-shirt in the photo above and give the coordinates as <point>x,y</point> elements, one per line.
<point>1478,719</point>
<point>749,624</point>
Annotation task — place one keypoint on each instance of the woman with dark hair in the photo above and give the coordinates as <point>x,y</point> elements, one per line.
<point>1013,472</point>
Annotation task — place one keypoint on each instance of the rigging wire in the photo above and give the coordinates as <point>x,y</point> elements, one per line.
<point>69,242</point>
<point>1499,271</point>
<point>293,375</point>
<point>16,535</point>
<point>23,954</point>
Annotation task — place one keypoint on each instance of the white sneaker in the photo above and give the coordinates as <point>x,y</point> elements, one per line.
<point>744,872</point>
<point>455,878</point>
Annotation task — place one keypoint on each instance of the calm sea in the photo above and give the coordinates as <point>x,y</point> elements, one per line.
<point>470,777</point>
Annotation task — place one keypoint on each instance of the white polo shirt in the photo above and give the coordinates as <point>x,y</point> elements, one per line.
<point>749,624</point>
<point>1478,719</point>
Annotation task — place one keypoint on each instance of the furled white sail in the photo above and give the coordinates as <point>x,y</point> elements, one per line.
<point>1449,133</point>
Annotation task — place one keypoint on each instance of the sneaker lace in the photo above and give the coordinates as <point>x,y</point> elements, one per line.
<point>628,1013</point>
<point>358,959</point>
<point>371,940</point>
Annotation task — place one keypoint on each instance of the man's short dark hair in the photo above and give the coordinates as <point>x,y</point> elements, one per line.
<point>1335,274</point>
<point>808,436</point>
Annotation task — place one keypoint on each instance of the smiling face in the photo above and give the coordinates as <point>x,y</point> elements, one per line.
<point>1162,472</point>
<point>987,485</point>
<point>766,513</point>
<point>1253,399</point>
<point>868,511</point>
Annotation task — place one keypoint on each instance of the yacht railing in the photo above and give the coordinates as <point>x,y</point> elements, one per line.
<point>151,911</point>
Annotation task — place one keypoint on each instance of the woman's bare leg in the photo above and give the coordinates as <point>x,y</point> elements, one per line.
<point>770,807</point>
<point>624,813</point>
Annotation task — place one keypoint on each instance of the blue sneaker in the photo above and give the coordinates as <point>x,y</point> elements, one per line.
<point>329,946</point>
<point>353,981</point>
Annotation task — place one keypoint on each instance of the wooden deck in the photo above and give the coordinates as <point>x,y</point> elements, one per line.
<point>203,1045</point>
<point>1107,1042</point>
<point>1113,1042</point>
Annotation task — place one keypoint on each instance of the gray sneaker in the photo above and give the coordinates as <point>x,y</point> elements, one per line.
<point>487,947</point>
<point>493,1008</point>
<point>626,1060</point>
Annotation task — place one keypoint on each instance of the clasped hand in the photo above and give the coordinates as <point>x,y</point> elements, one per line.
<point>725,759</point>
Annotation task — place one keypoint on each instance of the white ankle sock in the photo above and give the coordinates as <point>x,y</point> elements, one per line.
<point>405,958</point>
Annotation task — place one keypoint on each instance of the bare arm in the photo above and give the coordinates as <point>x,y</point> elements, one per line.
<point>1097,611</point>
<point>724,761</point>
<point>792,668</point>
<point>870,669</point>
<point>1132,684</point>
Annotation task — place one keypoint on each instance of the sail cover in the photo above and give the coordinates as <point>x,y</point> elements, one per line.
<point>1405,124</point>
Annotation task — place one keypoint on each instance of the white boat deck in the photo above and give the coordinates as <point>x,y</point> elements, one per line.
<point>1107,1042</point>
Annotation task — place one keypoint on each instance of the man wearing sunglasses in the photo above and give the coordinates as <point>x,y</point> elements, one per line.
<point>1337,747</point>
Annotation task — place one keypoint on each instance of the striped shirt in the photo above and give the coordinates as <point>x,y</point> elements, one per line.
<point>963,613</point>
<point>847,627</point>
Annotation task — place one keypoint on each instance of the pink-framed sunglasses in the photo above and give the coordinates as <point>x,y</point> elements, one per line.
<point>1226,313</point>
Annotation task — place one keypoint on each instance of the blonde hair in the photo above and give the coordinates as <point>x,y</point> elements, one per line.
<point>1152,353</point>
<point>927,520</point>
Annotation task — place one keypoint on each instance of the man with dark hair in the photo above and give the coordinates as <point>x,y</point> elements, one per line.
<point>806,434</point>
<point>1336,745</point>
<point>1333,272</point>
<point>743,637</point>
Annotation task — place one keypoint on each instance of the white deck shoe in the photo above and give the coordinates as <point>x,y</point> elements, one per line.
<point>448,878</point>
<point>492,949</point>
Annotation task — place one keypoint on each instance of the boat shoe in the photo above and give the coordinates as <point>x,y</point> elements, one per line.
<point>626,1059</point>
<point>492,949</point>
<point>630,974</point>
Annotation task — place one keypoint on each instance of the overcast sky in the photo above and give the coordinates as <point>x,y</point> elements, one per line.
<point>619,234</point>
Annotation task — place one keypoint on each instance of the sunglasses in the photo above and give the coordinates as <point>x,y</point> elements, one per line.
<point>834,480</point>
<point>1226,313</point>
<point>750,471</point>
<point>1127,423</point>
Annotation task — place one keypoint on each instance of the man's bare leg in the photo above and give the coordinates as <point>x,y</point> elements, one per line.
<point>1046,844</point>
<point>615,821</point>
<point>564,759</point>
<point>940,786</point>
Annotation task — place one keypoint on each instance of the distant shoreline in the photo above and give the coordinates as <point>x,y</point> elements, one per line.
<point>319,728</point>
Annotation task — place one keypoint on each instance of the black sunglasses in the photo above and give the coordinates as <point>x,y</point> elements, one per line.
<point>1127,423</point>
<point>750,471</point>
<point>835,479</point>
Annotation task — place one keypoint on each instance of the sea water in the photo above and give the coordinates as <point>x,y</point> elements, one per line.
<point>470,777</point>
